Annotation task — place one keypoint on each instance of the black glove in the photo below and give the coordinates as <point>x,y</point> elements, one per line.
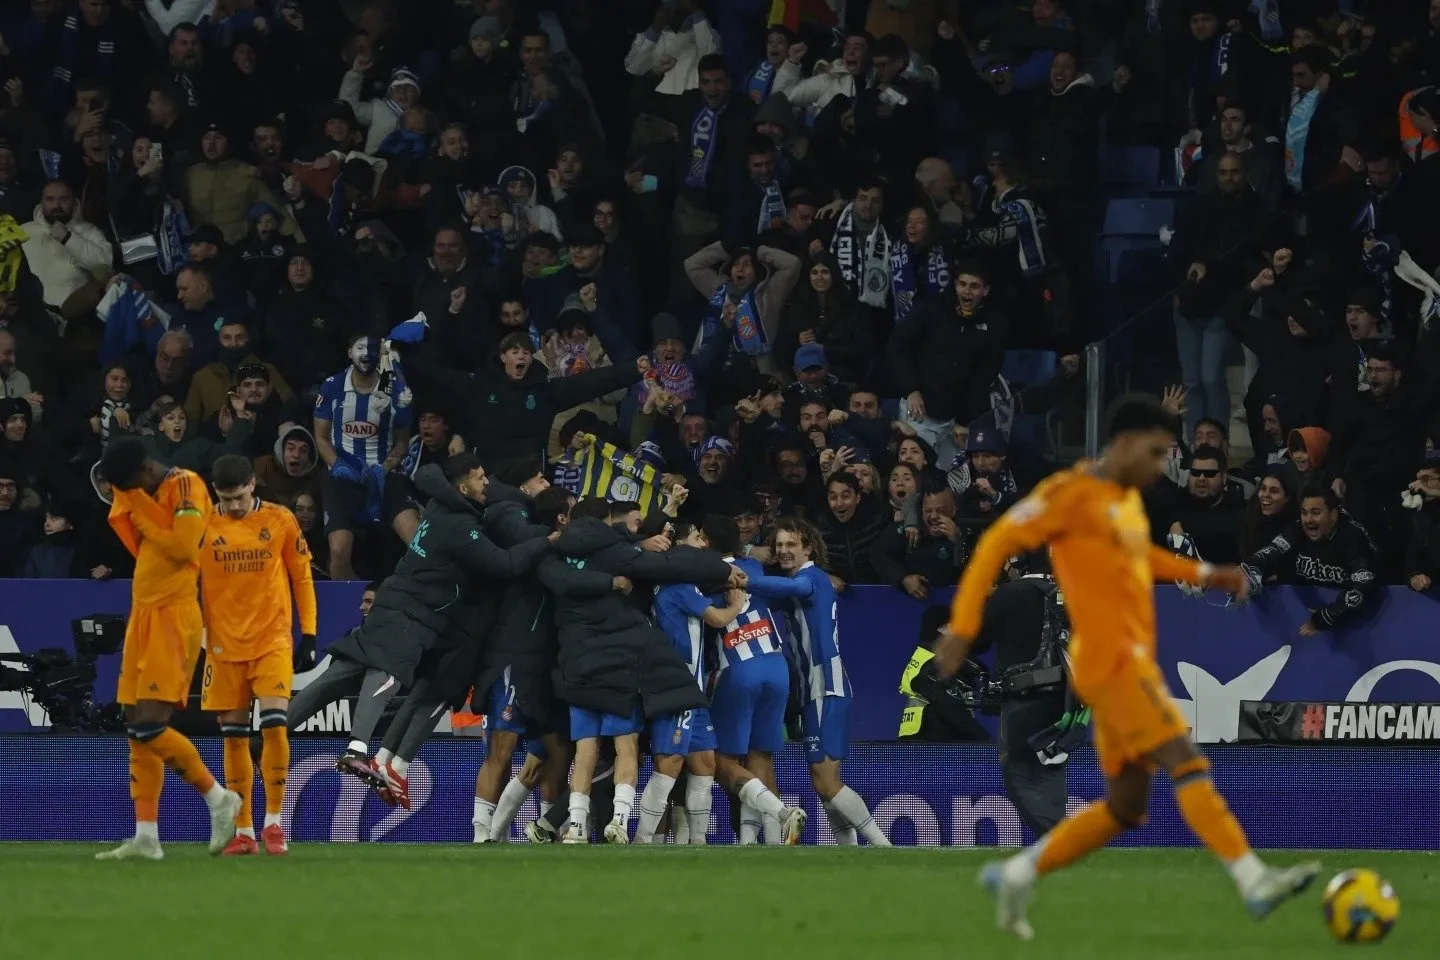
<point>305,653</point>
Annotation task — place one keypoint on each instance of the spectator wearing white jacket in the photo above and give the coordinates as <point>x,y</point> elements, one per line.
<point>673,52</point>
<point>380,117</point>
<point>847,76</point>
<point>64,251</point>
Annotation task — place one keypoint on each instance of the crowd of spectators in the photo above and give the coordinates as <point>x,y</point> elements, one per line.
<point>742,257</point>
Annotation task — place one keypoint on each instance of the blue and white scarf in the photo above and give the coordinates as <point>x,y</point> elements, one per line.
<point>1297,131</point>
<point>66,51</point>
<point>704,138</point>
<point>748,332</point>
<point>772,208</point>
<point>904,284</point>
<point>174,252</point>
<point>760,81</point>
<point>1378,262</point>
<point>1268,13</point>
<point>1027,236</point>
<point>864,261</point>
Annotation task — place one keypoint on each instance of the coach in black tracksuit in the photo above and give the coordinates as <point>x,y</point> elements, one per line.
<point>438,590</point>
<point>611,655</point>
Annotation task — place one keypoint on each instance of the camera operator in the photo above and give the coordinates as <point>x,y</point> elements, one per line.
<point>1026,625</point>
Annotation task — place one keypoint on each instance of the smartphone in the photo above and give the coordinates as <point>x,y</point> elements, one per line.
<point>157,151</point>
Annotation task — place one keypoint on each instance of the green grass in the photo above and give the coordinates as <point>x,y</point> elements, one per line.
<point>518,901</point>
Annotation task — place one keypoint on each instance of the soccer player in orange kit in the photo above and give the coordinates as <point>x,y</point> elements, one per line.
<point>1094,521</point>
<point>159,514</point>
<point>253,561</point>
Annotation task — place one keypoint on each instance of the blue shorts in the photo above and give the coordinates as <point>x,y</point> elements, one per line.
<point>504,714</point>
<point>585,724</point>
<point>827,729</point>
<point>748,711</point>
<point>682,733</point>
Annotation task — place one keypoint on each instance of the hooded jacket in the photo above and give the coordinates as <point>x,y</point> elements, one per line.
<point>447,567</point>
<point>541,218</point>
<point>612,658</point>
<point>275,484</point>
<point>950,359</point>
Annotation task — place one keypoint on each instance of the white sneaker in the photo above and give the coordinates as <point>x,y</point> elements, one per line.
<point>222,820</point>
<point>1011,898</point>
<point>792,825</point>
<point>615,832</point>
<point>575,833</point>
<point>136,848</point>
<point>1278,884</point>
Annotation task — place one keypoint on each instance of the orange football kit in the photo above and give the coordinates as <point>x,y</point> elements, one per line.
<point>1106,564</point>
<point>250,569</point>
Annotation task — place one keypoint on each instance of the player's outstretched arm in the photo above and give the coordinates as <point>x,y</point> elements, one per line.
<point>1026,526</point>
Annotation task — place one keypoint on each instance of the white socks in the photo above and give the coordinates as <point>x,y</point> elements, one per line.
<point>215,795</point>
<point>680,826</point>
<point>272,820</point>
<point>1246,871</point>
<point>400,765</point>
<point>484,812</point>
<point>245,832</point>
<point>511,798</point>
<point>851,807</point>
<point>383,756</point>
<point>625,802</point>
<point>580,811</point>
<point>697,809</point>
<point>844,833</point>
<point>772,830</point>
<point>147,830</point>
<point>652,805</point>
<point>545,807</point>
<point>757,803</point>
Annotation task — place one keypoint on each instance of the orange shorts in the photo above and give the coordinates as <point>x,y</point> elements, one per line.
<point>235,684</point>
<point>162,645</point>
<point>1133,715</point>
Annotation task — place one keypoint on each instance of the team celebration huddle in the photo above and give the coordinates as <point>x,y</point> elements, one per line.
<point>583,629</point>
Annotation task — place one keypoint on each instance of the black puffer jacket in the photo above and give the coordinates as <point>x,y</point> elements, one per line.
<point>524,639</point>
<point>611,656</point>
<point>849,544</point>
<point>950,359</point>
<point>438,586</point>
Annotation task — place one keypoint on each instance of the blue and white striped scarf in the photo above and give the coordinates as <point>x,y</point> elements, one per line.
<point>1027,236</point>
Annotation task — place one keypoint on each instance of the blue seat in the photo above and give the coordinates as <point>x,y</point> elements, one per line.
<point>1137,217</point>
<point>1130,166</point>
<point>1026,367</point>
<point>1112,250</point>
<point>890,408</point>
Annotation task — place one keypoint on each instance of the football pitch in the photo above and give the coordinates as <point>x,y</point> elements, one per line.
<point>518,900</point>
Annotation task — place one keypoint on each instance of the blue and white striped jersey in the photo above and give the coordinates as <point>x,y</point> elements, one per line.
<point>818,638</point>
<point>362,424</point>
<point>679,608</point>
<point>753,633</point>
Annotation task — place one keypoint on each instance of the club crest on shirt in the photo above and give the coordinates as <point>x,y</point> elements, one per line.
<point>264,534</point>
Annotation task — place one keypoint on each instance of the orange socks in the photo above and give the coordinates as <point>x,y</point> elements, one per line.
<point>239,770</point>
<point>1206,813</point>
<point>181,756</point>
<point>274,766</point>
<point>147,776</point>
<point>1076,836</point>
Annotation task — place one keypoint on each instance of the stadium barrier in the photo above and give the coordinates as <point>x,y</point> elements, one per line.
<point>1215,656</point>
<point>1333,797</point>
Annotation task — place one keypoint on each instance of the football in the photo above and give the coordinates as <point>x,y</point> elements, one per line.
<point>1360,906</point>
